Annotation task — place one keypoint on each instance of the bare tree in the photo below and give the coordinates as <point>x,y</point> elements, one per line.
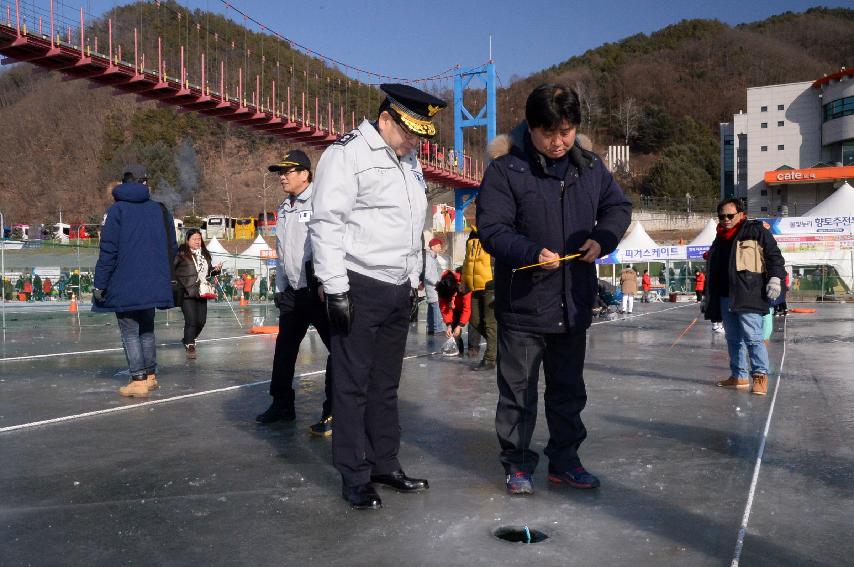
<point>628,117</point>
<point>591,110</point>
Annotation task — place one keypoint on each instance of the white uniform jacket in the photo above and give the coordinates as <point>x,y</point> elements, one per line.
<point>293,248</point>
<point>369,210</point>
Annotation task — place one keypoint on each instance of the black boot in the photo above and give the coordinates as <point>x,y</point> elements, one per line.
<point>278,411</point>
<point>362,497</point>
<point>400,482</point>
<point>484,365</point>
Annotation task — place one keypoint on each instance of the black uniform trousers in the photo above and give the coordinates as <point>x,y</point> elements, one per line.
<point>367,363</point>
<point>299,309</point>
<point>519,357</point>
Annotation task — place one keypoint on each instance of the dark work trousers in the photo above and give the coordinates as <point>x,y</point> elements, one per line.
<point>299,309</point>
<point>474,336</point>
<point>519,357</point>
<point>483,320</point>
<point>367,363</point>
<point>195,312</point>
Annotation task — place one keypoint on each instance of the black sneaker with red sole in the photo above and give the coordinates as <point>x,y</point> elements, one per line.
<point>577,477</point>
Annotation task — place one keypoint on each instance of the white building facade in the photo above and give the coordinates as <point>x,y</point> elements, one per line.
<point>792,147</point>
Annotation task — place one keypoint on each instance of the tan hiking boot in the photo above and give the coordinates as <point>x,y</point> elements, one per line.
<point>760,384</point>
<point>733,382</point>
<point>151,382</point>
<point>135,389</point>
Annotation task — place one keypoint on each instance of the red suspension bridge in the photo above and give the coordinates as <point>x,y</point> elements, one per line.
<point>53,43</point>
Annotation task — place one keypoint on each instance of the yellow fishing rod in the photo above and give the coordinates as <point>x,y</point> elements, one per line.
<point>562,259</point>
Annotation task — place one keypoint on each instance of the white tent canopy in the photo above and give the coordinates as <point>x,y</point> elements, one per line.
<point>636,238</point>
<point>250,259</point>
<point>215,247</point>
<point>257,246</point>
<point>636,246</point>
<point>840,202</point>
<point>707,235</point>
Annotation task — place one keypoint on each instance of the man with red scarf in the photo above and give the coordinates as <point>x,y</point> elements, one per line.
<point>745,271</point>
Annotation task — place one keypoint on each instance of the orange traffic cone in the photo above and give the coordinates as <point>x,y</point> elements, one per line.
<point>243,302</point>
<point>72,307</point>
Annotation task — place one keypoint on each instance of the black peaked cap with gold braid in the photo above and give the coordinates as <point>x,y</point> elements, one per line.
<point>413,108</point>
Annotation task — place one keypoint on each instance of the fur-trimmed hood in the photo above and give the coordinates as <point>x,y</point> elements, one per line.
<point>518,141</point>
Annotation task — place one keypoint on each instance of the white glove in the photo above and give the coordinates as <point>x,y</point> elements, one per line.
<point>773,288</point>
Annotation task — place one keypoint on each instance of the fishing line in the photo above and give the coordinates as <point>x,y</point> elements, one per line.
<point>525,429</point>
<point>225,296</point>
<point>527,378</point>
<point>679,338</point>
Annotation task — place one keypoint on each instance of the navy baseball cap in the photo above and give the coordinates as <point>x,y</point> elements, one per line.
<point>294,159</point>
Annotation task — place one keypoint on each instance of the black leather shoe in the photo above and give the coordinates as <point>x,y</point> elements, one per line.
<point>277,412</point>
<point>400,482</point>
<point>362,497</point>
<point>484,365</point>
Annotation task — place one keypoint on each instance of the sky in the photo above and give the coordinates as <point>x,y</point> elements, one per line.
<point>415,40</point>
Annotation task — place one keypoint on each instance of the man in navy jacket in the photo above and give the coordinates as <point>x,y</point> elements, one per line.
<point>546,198</point>
<point>133,273</point>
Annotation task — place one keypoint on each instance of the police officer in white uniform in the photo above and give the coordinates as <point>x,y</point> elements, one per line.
<point>369,209</point>
<point>298,299</point>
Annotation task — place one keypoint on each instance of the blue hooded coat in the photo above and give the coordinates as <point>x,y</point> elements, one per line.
<point>133,266</point>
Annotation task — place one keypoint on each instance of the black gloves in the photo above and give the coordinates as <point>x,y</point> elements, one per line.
<point>413,304</point>
<point>340,312</point>
<point>278,298</point>
<point>98,295</point>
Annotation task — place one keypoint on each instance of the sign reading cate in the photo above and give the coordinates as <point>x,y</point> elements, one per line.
<point>812,175</point>
<point>794,176</point>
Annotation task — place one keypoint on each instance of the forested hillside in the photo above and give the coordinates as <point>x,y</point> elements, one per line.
<point>64,143</point>
<point>663,94</point>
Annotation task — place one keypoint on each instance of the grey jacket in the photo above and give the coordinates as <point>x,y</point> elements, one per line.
<point>432,274</point>
<point>369,210</point>
<point>293,248</point>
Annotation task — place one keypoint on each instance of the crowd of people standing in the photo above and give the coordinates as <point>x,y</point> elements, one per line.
<point>351,260</point>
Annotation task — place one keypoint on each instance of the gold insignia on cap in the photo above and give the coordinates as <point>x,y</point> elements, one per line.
<point>432,110</point>
<point>287,162</point>
<point>417,124</point>
<point>418,127</point>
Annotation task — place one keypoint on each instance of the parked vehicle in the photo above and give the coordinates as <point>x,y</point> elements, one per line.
<point>63,232</point>
<point>24,228</point>
<point>82,232</point>
<point>244,228</point>
<point>267,222</point>
<point>215,226</point>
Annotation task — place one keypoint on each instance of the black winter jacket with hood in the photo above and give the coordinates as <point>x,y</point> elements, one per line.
<point>522,209</point>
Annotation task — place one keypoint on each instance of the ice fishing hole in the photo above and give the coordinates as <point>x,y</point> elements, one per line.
<point>520,534</point>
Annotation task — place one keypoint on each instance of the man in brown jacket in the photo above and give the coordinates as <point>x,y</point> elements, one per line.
<point>629,287</point>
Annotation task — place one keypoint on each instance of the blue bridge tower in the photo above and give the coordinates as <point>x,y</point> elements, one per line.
<point>463,118</point>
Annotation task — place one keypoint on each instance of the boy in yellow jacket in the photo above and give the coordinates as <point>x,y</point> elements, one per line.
<point>477,277</point>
